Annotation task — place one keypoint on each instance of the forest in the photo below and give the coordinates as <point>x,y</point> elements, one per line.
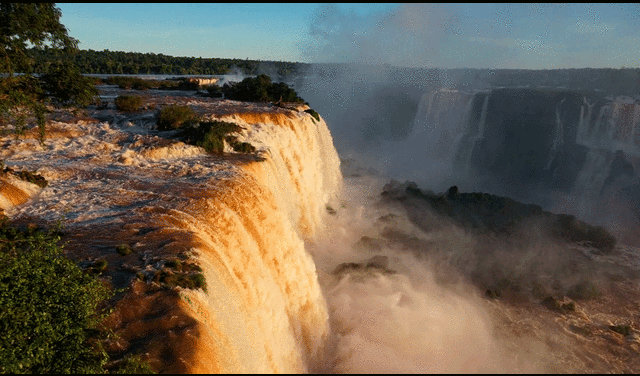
<point>119,62</point>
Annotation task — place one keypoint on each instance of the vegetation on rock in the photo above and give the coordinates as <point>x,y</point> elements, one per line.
<point>313,113</point>
<point>209,135</point>
<point>175,116</point>
<point>129,103</point>
<point>486,213</point>
<point>261,89</point>
<point>30,176</point>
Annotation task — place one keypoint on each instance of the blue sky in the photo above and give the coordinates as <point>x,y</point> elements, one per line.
<point>526,36</point>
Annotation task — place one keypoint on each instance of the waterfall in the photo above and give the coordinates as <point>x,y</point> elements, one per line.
<point>264,311</point>
<point>243,219</point>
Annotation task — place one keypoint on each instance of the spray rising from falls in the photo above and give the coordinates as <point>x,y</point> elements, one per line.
<point>564,149</point>
<point>269,234</point>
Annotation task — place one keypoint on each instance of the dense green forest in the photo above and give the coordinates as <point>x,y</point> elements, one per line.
<point>118,62</point>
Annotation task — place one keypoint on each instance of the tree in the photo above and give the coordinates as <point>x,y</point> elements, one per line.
<point>25,96</point>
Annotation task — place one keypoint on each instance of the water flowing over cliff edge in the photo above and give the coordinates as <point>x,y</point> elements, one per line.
<point>306,271</point>
<point>243,219</point>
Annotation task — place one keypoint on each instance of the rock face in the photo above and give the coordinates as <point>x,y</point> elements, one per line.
<point>515,141</point>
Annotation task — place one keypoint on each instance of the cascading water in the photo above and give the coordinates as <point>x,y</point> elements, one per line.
<point>521,141</point>
<point>292,283</point>
<point>243,220</point>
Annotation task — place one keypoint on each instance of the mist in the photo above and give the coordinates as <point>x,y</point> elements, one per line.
<point>412,95</point>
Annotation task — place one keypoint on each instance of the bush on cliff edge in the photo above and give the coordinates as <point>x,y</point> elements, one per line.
<point>261,89</point>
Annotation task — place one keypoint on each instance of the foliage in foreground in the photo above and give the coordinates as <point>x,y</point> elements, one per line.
<point>50,320</point>
<point>49,317</point>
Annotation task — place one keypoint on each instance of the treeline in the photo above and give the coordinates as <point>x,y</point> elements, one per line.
<point>622,81</point>
<point>118,62</point>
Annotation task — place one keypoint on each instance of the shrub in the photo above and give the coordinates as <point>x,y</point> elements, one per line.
<point>177,264</point>
<point>214,91</point>
<point>132,365</point>
<point>185,84</point>
<point>625,330</point>
<point>136,83</point>
<point>184,280</point>
<point>313,113</point>
<point>168,85</point>
<point>243,147</point>
<point>33,178</point>
<point>567,227</point>
<point>128,103</point>
<point>140,84</point>
<point>601,238</point>
<point>281,92</point>
<point>210,135</point>
<point>260,89</point>
<point>239,147</point>
<point>97,267</point>
<point>25,175</point>
<point>175,116</point>
<point>49,307</point>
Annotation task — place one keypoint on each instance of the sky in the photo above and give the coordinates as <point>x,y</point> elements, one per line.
<point>510,36</point>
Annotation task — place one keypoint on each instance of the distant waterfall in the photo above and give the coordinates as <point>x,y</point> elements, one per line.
<point>519,140</point>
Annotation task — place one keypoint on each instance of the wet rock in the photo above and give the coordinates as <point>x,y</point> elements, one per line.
<point>380,262</point>
<point>377,263</point>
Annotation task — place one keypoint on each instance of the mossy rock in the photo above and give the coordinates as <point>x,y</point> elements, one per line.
<point>123,250</point>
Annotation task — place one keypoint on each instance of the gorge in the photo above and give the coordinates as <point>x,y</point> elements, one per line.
<point>309,269</point>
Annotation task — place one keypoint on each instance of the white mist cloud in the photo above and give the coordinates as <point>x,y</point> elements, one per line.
<point>408,322</point>
<point>530,36</point>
